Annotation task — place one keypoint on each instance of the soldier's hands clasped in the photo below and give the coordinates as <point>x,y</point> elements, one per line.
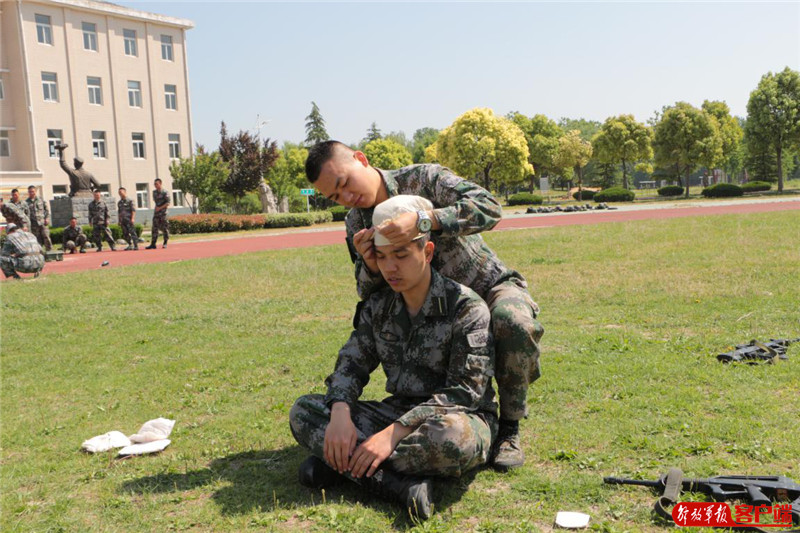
<point>341,438</point>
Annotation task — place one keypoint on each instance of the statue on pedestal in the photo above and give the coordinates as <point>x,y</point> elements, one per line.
<point>81,181</point>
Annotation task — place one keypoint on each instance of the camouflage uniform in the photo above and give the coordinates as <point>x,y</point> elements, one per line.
<point>39,214</point>
<point>464,209</point>
<point>21,253</point>
<point>14,215</point>
<point>438,368</point>
<point>125,210</point>
<point>98,218</point>
<point>160,222</point>
<point>72,238</point>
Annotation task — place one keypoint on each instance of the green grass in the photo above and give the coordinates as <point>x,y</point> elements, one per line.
<point>634,315</point>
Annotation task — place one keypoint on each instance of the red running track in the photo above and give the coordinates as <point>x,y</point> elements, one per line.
<point>180,251</point>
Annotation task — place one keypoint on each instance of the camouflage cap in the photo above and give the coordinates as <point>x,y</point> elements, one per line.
<point>394,207</point>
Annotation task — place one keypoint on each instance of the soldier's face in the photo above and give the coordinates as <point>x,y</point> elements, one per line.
<point>97,196</point>
<point>73,223</point>
<point>31,193</point>
<point>15,197</point>
<point>157,185</point>
<point>123,194</point>
<point>403,267</point>
<point>348,180</point>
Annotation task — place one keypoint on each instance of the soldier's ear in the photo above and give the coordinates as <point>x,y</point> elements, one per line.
<point>361,157</point>
<point>429,246</point>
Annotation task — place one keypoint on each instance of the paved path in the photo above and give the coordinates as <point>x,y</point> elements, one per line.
<point>179,251</point>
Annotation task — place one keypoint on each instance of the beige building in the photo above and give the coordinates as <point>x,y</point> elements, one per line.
<point>110,81</point>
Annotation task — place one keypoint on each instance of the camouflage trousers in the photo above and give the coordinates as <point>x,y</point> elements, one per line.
<point>129,232</point>
<point>70,246</point>
<point>98,232</point>
<point>516,335</point>
<point>446,444</point>
<point>160,223</point>
<point>42,234</point>
<point>27,265</point>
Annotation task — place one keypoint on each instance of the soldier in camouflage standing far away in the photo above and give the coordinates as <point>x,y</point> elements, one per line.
<point>126,211</point>
<point>460,211</point>
<point>160,222</point>
<point>40,218</point>
<point>73,237</point>
<point>432,337</point>
<point>17,202</point>
<point>98,218</point>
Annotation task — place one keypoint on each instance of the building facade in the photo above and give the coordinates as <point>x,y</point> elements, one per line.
<point>109,81</point>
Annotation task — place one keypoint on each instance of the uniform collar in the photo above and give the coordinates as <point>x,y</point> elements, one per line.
<point>435,302</point>
<point>388,177</point>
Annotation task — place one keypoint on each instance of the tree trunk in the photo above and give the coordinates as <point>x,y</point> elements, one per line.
<point>779,149</point>
<point>687,182</point>
<point>579,171</point>
<point>624,176</point>
<point>533,178</point>
<point>486,171</point>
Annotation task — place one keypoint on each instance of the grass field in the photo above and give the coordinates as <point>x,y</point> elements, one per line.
<point>634,315</point>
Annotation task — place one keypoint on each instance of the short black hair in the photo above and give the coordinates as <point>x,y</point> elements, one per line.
<point>422,241</point>
<point>74,218</point>
<point>14,190</point>
<point>318,155</point>
<point>157,180</point>
<point>123,189</point>
<point>31,187</point>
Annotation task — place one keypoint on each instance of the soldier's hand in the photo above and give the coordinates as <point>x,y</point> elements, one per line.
<point>371,453</point>
<point>365,246</point>
<point>340,437</point>
<point>401,230</point>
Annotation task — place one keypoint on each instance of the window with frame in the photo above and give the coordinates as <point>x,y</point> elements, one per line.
<point>44,30</point>
<point>54,138</point>
<point>89,36</point>
<point>138,145</point>
<point>174,146</point>
<point>177,198</point>
<point>142,196</point>
<point>59,191</point>
<point>95,90</point>
<point>5,144</point>
<point>166,48</point>
<point>50,86</point>
<point>171,96</point>
<point>99,144</point>
<point>130,42</point>
<point>134,94</point>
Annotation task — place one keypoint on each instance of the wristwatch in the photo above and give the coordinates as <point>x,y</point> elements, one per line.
<point>423,221</point>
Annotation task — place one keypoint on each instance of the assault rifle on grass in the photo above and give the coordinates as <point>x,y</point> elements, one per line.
<point>756,490</point>
<point>758,351</point>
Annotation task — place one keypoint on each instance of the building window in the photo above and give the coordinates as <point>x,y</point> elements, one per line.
<point>53,139</point>
<point>174,146</point>
<point>89,36</point>
<point>177,198</point>
<point>166,47</point>
<point>5,145</point>
<point>99,144</point>
<point>138,145</point>
<point>134,94</point>
<point>171,96</point>
<point>141,196</point>
<point>2,90</point>
<point>130,42</point>
<point>50,86</point>
<point>95,90</point>
<point>59,191</point>
<point>44,31</point>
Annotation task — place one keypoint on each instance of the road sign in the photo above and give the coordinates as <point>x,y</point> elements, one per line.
<point>307,192</point>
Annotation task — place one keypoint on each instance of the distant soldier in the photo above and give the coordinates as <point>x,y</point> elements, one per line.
<point>39,215</point>
<point>126,210</point>
<point>21,205</point>
<point>98,218</point>
<point>160,222</point>
<point>14,215</point>
<point>80,179</point>
<point>21,253</point>
<point>73,237</point>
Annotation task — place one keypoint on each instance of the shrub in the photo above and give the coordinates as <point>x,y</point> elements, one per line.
<point>614,194</point>
<point>525,198</point>
<point>756,186</point>
<point>339,212</point>
<point>722,190</point>
<point>670,190</point>
<point>586,194</point>
<point>210,223</point>
<point>116,231</point>
<point>291,220</point>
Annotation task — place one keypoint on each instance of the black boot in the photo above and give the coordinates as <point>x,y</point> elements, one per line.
<point>315,474</point>
<point>151,247</point>
<point>413,493</point>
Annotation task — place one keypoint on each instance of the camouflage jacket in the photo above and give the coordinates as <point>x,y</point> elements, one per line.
<point>463,209</point>
<point>160,198</point>
<point>98,213</point>
<point>71,234</point>
<point>15,215</point>
<point>38,211</point>
<point>125,209</point>
<point>26,250</point>
<point>442,359</point>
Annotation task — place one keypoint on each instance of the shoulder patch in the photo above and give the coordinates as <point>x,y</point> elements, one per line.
<point>477,339</point>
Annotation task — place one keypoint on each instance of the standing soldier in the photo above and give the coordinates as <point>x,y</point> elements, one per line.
<point>40,218</point>
<point>126,210</point>
<point>160,222</point>
<point>73,237</point>
<point>98,218</point>
<point>14,215</point>
<point>22,206</point>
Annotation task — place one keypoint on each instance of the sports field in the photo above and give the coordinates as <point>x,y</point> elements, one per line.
<point>634,314</point>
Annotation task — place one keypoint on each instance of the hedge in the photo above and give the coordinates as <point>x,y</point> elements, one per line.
<point>339,212</point>
<point>722,190</point>
<point>756,186</point>
<point>614,194</point>
<point>525,198</point>
<point>116,232</point>
<point>670,190</point>
<point>216,222</point>
<point>586,194</point>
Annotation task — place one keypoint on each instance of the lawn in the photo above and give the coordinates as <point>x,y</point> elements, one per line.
<point>634,315</point>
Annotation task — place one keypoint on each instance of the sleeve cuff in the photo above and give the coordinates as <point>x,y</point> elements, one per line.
<point>448,220</point>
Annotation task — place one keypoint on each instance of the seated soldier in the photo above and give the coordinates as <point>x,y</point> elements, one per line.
<point>73,237</point>
<point>21,253</point>
<point>432,336</point>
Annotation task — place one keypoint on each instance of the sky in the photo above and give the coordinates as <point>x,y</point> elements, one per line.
<point>411,65</point>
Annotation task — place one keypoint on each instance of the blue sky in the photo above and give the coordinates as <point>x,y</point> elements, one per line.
<point>412,65</point>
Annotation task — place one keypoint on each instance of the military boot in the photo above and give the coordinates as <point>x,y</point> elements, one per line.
<point>151,247</point>
<point>507,452</point>
<point>413,493</point>
<point>315,474</point>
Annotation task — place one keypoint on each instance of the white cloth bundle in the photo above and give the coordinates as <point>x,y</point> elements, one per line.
<point>157,429</point>
<point>151,438</point>
<point>102,443</point>
<point>145,448</point>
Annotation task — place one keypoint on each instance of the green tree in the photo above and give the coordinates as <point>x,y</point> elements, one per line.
<point>587,128</point>
<point>423,138</point>
<point>248,160</point>
<point>315,127</point>
<point>622,140</point>
<point>400,138</point>
<point>482,145</point>
<point>730,132</point>
<point>287,176</point>
<point>373,134</point>
<point>686,138</point>
<point>387,154</point>
<point>574,153</point>
<point>773,115</point>
<point>541,136</point>
<point>201,176</point>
